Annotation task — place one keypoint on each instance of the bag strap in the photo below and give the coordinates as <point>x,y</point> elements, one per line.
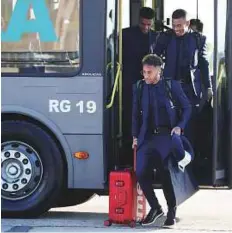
<point>167,85</point>
<point>198,38</point>
<point>168,89</point>
<point>139,87</point>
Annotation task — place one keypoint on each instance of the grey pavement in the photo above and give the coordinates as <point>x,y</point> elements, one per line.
<point>206,211</point>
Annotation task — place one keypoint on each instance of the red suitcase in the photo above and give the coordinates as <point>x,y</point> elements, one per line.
<point>127,204</point>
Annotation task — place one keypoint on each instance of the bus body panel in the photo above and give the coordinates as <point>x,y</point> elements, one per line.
<point>70,105</point>
<point>82,125</point>
<point>57,99</point>
<point>89,173</point>
<point>30,113</point>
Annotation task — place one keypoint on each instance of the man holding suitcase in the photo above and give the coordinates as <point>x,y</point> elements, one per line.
<point>154,120</point>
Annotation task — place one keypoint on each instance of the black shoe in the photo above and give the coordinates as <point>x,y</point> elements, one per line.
<point>170,222</point>
<point>152,216</point>
<point>171,217</point>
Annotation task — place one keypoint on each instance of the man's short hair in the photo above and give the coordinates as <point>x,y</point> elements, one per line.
<point>152,60</point>
<point>200,27</point>
<point>194,22</point>
<point>197,23</point>
<point>179,13</point>
<point>147,13</point>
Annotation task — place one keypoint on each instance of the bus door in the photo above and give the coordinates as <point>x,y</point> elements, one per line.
<point>228,60</point>
<point>120,18</point>
<point>211,155</point>
<point>111,82</point>
<point>221,101</point>
<point>222,157</point>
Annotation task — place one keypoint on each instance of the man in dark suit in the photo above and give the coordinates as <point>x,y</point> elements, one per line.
<point>136,43</point>
<point>185,61</point>
<point>154,120</point>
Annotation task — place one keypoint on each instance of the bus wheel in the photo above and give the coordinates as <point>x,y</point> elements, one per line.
<point>32,170</point>
<point>74,197</point>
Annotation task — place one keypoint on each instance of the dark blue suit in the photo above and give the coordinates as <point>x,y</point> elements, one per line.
<point>157,111</point>
<point>135,45</point>
<point>185,61</point>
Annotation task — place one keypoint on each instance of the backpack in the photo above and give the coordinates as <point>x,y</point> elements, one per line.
<point>168,34</point>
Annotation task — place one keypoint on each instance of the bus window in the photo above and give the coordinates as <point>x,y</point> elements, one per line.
<point>111,42</point>
<point>221,28</point>
<point>149,3</point>
<point>30,54</point>
<point>170,6</point>
<point>125,14</point>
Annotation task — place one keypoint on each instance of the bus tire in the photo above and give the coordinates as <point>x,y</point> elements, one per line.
<point>32,170</point>
<point>74,197</point>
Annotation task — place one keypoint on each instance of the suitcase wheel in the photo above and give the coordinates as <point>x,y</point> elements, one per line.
<point>107,223</point>
<point>132,224</point>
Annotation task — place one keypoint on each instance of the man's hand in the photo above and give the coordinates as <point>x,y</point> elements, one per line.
<point>209,94</point>
<point>135,142</point>
<point>176,130</point>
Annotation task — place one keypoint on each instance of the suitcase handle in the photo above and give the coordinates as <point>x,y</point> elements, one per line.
<point>121,197</point>
<point>135,151</point>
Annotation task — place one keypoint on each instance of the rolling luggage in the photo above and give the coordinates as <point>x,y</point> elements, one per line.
<point>127,204</point>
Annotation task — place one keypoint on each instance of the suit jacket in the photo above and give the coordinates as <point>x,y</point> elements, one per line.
<point>140,117</point>
<point>135,45</point>
<point>192,56</point>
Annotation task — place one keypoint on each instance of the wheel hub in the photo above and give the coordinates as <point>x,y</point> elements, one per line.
<point>21,170</point>
<point>13,170</point>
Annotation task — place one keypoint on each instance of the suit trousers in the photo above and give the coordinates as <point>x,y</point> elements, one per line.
<point>153,153</point>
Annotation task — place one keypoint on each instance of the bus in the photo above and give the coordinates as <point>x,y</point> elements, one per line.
<point>62,100</point>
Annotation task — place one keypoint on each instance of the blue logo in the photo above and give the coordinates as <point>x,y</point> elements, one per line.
<point>19,24</point>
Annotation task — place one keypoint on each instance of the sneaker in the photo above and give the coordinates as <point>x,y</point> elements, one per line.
<point>152,216</point>
<point>171,217</point>
<point>170,222</point>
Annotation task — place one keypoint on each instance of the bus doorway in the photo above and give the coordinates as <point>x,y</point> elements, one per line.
<point>203,141</point>
<point>212,164</point>
<point>228,60</point>
<point>212,141</point>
